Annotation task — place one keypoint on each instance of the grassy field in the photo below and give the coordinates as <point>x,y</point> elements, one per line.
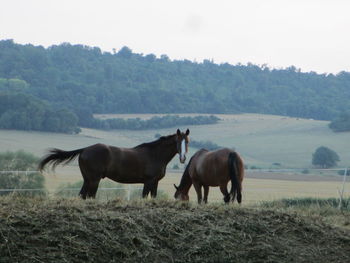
<point>262,140</point>
<point>257,186</point>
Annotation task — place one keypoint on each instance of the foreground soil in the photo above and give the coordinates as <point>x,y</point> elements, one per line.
<point>34,230</point>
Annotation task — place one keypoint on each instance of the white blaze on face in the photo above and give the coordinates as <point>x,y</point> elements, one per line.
<point>183,150</point>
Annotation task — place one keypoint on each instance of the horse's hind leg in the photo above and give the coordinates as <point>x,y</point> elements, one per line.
<point>206,192</point>
<point>198,189</point>
<point>239,193</point>
<point>84,190</point>
<point>223,189</point>
<point>92,189</point>
<point>233,194</point>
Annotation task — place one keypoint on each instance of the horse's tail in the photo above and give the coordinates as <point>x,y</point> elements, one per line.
<point>236,174</point>
<point>57,156</point>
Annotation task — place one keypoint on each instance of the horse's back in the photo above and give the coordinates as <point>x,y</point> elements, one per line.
<point>96,155</point>
<point>214,158</point>
<point>211,167</point>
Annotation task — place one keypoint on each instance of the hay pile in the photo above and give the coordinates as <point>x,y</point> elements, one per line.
<point>33,230</point>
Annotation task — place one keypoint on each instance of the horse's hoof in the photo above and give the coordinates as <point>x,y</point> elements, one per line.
<point>227,198</point>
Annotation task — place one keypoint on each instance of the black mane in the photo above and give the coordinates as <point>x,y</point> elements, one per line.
<point>186,179</point>
<point>156,142</point>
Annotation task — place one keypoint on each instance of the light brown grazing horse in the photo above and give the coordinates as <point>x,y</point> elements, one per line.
<point>145,163</point>
<point>212,168</point>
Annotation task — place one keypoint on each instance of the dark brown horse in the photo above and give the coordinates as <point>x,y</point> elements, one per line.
<point>215,168</point>
<point>145,163</point>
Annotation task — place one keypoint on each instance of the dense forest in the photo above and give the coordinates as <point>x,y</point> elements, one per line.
<point>155,122</point>
<point>81,80</point>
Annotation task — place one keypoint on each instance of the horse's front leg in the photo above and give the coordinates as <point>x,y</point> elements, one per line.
<point>146,189</point>
<point>198,189</point>
<point>151,185</point>
<point>223,189</point>
<point>154,189</point>
<point>206,192</point>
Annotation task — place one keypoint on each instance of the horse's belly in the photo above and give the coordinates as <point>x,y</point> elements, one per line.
<point>211,183</point>
<point>127,178</point>
<point>212,177</point>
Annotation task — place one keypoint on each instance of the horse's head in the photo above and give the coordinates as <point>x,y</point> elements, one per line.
<point>182,140</point>
<point>180,195</point>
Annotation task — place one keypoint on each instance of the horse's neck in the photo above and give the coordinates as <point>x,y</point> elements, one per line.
<point>167,150</point>
<point>186,181</point>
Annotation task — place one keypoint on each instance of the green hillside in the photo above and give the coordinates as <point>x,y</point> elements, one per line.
<point>84,80</point>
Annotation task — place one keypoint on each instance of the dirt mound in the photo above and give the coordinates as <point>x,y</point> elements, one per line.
<point>33,230</point>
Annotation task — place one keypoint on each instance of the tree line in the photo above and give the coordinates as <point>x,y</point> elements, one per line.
<point>341,123</point>
<point>156,122</point>
<point>85,80</point>
<point>25,112</point>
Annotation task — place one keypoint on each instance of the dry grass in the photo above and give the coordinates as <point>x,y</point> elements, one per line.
<point>37,230</point>
<point>325,209</point>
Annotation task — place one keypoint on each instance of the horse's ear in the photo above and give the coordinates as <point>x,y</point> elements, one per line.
<point>178,132</point>
<point>177,188</point>
<point>187,132</point>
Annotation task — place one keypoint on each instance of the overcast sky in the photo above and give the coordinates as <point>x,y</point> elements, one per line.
<point>313,35</point>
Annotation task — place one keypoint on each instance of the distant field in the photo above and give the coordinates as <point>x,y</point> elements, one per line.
<point>257,186</point>
<point>262,140</point>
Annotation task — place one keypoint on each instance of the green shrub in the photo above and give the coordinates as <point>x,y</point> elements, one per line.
<point>341,123</point>
<point>19,182</point>
<point>18,161</point>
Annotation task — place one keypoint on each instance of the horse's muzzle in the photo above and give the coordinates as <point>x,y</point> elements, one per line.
<point>182,159</point>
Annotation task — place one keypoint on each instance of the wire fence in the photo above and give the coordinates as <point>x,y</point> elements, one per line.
<point>16,178</point>
<point>129,192</point>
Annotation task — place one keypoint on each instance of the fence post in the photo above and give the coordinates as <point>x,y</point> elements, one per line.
<point>343,187</point>
<point>129,192</point>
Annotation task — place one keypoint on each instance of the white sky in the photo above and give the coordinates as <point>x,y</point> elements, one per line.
<point>313,35</point>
